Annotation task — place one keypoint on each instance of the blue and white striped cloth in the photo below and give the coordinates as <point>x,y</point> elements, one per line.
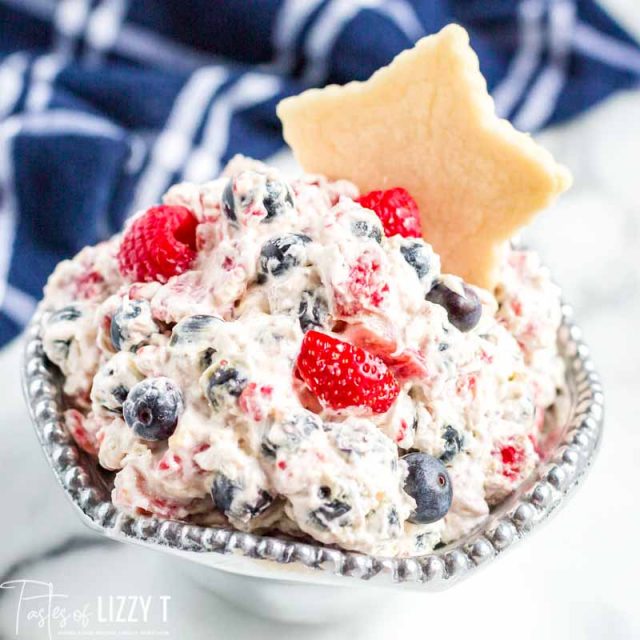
<point>105,103</point>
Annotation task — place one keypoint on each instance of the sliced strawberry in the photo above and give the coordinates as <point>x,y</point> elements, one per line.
<point>379,340</point>
<point>341,375</point>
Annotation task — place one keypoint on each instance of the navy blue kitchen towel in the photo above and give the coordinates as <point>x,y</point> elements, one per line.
<point>105,103</point>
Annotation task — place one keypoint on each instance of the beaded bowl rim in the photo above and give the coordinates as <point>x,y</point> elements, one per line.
<point>528,507</point>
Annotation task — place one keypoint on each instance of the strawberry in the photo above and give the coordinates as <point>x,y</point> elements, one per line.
<point>397,211</point>
<point>341,375</point>
<point>159,244</point>
<point>379,340</point>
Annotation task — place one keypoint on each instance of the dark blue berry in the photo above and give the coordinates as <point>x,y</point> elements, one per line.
<point>291,432</point>
<point>421,541</point>
<point>367,229</point>
<point>428,483</point>
<point>66,314</point>
<point>153,407</point>
<point>228,203</point>
<point>453,443</point>
<point>225,381</point>
<point>206,358</point>
<point>120,393</point>
<point>313,310</point>
<point>329,511</point>
<point>128,311</point>
<point>59,350</point>
<point>280,254</point>
<point>225,492</point>
<point>417,255</point>
<point>194,329</point>
<point>463,311</point>
<point>277,198</point>
<point>268,449</point>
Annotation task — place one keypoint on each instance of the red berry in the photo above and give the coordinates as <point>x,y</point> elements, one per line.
<point>159,244</point>
<point>397,211</point>
<point>512,458</point>
<point>88,285</point>
<point>365,287</point>
<point>341,375</point>
<point>76,425</point>
<point>379,341</point>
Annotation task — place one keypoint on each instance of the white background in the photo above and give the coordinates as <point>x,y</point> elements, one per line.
<point>577,578</point>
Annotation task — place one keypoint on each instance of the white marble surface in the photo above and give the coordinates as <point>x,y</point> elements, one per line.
<point>577,578</point>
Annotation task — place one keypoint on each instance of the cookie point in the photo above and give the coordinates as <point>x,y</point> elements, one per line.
<point>476,179</point>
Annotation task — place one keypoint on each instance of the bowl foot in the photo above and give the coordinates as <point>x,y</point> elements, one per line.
<point>287,601</point>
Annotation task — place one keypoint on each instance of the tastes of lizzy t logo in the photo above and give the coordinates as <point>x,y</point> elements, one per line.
<point>57,615</point>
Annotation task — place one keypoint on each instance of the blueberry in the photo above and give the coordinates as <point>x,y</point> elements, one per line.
<point>66,314</point>
<point>277,198</point>
<point>268,449</point>
<point>463,311</point>
<point>113,381</point>
<point>120,393</point>
<point>153,407</point>
<point>289,433</point>
<point>421,541</point>
<point>453,443</point>
<point>60,332</point>
<point>280,254</point>
<point>252,189</point>
<point>428,483</point>
<point>112,399</point>
<point>313,310</point>
<point>58,350</point>
<point>121,329</point>
<point>194,329</point>
<point>225,381</point>
<point>367,229</point>
<point>418,256</point>
<point>225,493</point>
<point>228,202</point>
<point>260,505</point>
<point>206,358</point>
<point>120,319</point>
<point>222,492</point>
<point>329,511</point>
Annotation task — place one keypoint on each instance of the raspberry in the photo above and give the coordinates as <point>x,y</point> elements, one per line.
<point>365,287</point>
<point>85,438</point>
<point>512,458</point>
<point>341,375</point>
<point>88,285</point>
<point>397,211</point>
<point>159,244</point>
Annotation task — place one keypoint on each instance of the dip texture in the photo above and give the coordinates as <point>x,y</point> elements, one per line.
<point>192,387</point>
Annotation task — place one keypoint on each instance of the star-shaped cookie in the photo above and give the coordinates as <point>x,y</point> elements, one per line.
<point>427,123</point>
